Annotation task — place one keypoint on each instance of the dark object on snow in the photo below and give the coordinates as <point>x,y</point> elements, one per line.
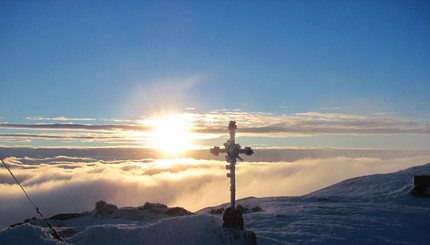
<point>256,209</point>
<point>104,209</point>
<point>178,211</point>
<point>69,216</point>
<point>421,182</point>
<point>217,211</point>
<point>243,210</point>
<point>232,218</point>
<point>153,206</point>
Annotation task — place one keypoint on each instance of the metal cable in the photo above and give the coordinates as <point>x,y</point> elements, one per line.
<point>54,231</point>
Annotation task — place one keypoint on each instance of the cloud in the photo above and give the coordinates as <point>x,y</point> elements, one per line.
<point>73,180</point>
<point>311,123</point>
<point>60,118</point>
<point>58,136</point>
<point>213,125</point>
<point>68,126</point>
<point>74,134</point>
<point>332,108</point>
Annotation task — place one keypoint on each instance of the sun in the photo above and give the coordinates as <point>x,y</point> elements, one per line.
<point>170,135</point>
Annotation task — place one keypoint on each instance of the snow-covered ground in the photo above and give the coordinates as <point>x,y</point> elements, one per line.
<point>376,209</point>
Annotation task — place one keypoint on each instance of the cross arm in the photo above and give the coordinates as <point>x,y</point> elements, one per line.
<point>247,151</point>
<point>216,150</point>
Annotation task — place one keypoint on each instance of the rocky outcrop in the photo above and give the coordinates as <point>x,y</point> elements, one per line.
<point>147,211</point>
<point>104,209</point>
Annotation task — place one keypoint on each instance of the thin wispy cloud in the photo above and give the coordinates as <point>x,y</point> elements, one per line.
<point>74,126</point>
<point>60,118</point>
<point>213,125</point>
<point>314,123</point>
<point>60,136</point>
<point>332,108</point>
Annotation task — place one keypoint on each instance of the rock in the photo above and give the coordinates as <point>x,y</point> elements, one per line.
<point>153,206</point>
<point>217,211</point>
<point>256,209</point>
<point>420,191</point>
<point>178,211</point>
<point>68,216</point>
<point>232,218</point>
<point>104,209</point>
<point>421,182</point>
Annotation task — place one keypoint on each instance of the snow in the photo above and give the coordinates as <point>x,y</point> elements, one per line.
<point>188,230</point>
<point>25,234</point>
<point>375,209</point>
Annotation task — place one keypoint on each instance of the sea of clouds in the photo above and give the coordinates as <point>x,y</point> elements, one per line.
<point>73,180</point>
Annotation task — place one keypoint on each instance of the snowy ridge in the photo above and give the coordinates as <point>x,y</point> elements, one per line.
<point>379,187</point>
<point>375,209</point>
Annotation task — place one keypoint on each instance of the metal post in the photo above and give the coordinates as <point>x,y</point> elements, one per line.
<point>233,183</point>
<point>232,157</point>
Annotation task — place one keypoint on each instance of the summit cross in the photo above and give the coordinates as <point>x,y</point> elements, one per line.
<point>233,150</point>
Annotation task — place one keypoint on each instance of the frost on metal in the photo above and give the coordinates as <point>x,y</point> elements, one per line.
<point>232,216</point>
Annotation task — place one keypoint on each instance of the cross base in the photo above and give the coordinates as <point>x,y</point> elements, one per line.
<point>232,218</point>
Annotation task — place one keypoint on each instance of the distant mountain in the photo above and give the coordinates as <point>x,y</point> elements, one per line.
<point>375,209</point>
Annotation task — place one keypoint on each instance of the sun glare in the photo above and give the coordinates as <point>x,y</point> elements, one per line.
<point>170,135</point>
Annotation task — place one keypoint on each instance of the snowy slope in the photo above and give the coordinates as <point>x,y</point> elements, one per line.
<point>147,224</point>
<point>376,209</point>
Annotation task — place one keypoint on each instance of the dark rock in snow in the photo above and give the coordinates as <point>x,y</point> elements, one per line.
<point>153,206</point>
<point>256,209</point>
<point>232,218</point>
<point>421,183</point>
<point>217,211</point>
<point>103,208</point>
<point>178,211</point>
<point>68,216</point>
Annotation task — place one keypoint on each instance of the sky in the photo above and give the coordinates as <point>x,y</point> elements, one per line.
<point>114,62</point>
<point>321,90</point>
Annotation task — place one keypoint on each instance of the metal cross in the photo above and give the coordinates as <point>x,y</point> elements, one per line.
<point>233,150</point>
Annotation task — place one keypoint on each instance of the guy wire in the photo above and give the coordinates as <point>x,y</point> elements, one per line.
<point>54,231</point>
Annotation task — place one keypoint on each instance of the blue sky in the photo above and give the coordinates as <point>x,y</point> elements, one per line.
<point>112,59</point>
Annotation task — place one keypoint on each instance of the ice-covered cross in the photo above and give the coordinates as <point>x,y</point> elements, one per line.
<point>233,150</point>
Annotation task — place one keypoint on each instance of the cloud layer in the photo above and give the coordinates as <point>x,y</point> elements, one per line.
<point>209,126</point>
<point>74,182</point>
<point>206,129</point>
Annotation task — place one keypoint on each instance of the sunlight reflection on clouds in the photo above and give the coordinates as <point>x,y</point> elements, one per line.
<point>207,128</point>
<point>55,182</point>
